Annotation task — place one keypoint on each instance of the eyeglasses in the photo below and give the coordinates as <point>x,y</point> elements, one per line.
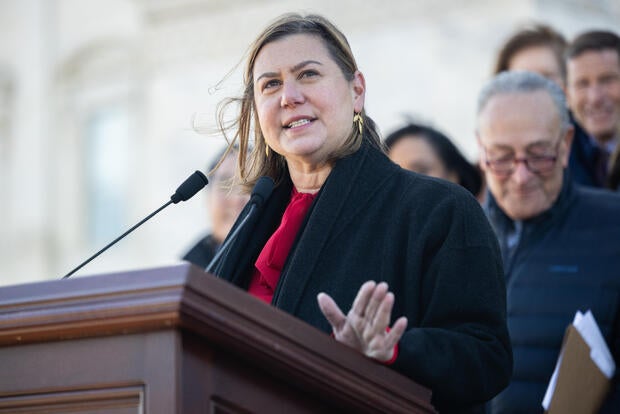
<point>536,164</point>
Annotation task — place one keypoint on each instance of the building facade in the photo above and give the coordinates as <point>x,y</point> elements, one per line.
<point>107,105</point>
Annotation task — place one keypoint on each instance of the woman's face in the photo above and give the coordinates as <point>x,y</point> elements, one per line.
<point>538,59</point>
<point>305,105</point>
<point>414,153</point>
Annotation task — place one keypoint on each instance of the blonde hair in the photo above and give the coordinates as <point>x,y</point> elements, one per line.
<point>258,163</point>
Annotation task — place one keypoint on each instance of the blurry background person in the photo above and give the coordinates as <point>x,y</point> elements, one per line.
<point>224,203</point>
<point>593,91</point>
<point>427,151</point>
<point>536,48</point>
<point>560,242</point>
<point>540,48</point>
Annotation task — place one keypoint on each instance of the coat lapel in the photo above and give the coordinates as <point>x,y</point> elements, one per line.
<point>237,265</point>
<point>350,186</point>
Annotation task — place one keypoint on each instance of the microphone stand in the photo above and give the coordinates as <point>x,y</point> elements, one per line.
<point>229,240</point>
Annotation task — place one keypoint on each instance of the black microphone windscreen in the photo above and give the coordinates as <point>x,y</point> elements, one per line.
<point>189,187</point>
<point>262,190</point>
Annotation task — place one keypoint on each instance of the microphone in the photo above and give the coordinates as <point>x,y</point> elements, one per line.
<point>184,192</point>
<point>260,193</point>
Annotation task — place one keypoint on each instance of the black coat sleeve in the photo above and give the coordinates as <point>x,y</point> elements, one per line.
<point>460,346</point>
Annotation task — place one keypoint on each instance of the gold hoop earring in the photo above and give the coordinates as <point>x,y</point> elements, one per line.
<point>267,150</point>
<point>357,119</point>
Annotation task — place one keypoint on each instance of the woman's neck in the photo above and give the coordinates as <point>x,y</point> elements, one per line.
<point>308,178</point>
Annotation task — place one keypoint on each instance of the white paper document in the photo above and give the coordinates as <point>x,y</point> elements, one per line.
<point>587,327</point>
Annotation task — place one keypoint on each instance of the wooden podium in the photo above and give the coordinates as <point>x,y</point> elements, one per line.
<point>177,340</point>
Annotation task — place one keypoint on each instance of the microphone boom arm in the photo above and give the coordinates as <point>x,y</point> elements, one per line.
<point>117,239</point>
<point>184,192</point>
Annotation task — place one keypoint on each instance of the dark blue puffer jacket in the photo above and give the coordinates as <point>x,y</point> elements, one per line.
<point>567,259</point>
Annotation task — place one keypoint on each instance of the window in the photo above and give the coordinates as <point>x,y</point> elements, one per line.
<point>107,164</point>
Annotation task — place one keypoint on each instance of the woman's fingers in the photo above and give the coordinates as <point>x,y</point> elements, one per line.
<point>375,301</point>
<point>383,313</point>
<point>366,325</point>
<point>363,297</point>
<point>331,311</point>
<point>397,331</point>
<point>376,326</point>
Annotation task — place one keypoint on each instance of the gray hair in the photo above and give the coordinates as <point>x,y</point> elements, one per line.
<point>525,82</point>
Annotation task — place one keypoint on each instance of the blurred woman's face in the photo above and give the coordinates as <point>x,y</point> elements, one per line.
<point>224,204</point>
<point>538,59</point>
<point>413,153</point>
<point>305,105</point>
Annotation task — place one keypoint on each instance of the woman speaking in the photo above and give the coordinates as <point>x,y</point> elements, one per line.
<point>410,259</point>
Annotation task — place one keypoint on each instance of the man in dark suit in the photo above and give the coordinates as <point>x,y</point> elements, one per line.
<point>593,91</point>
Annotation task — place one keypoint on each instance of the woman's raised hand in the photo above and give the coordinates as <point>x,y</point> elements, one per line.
<point>365,327</point>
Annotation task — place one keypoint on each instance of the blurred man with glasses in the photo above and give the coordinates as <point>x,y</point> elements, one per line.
<point>560,242</point>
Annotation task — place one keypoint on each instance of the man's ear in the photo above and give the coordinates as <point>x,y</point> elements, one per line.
<point>566,145</point>
<point>482,156</point>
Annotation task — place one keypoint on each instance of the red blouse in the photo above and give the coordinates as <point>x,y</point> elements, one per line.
<point>271,259</point>
<point>270,262</point>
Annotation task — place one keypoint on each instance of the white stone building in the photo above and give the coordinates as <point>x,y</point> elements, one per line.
<point>98,99</point>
